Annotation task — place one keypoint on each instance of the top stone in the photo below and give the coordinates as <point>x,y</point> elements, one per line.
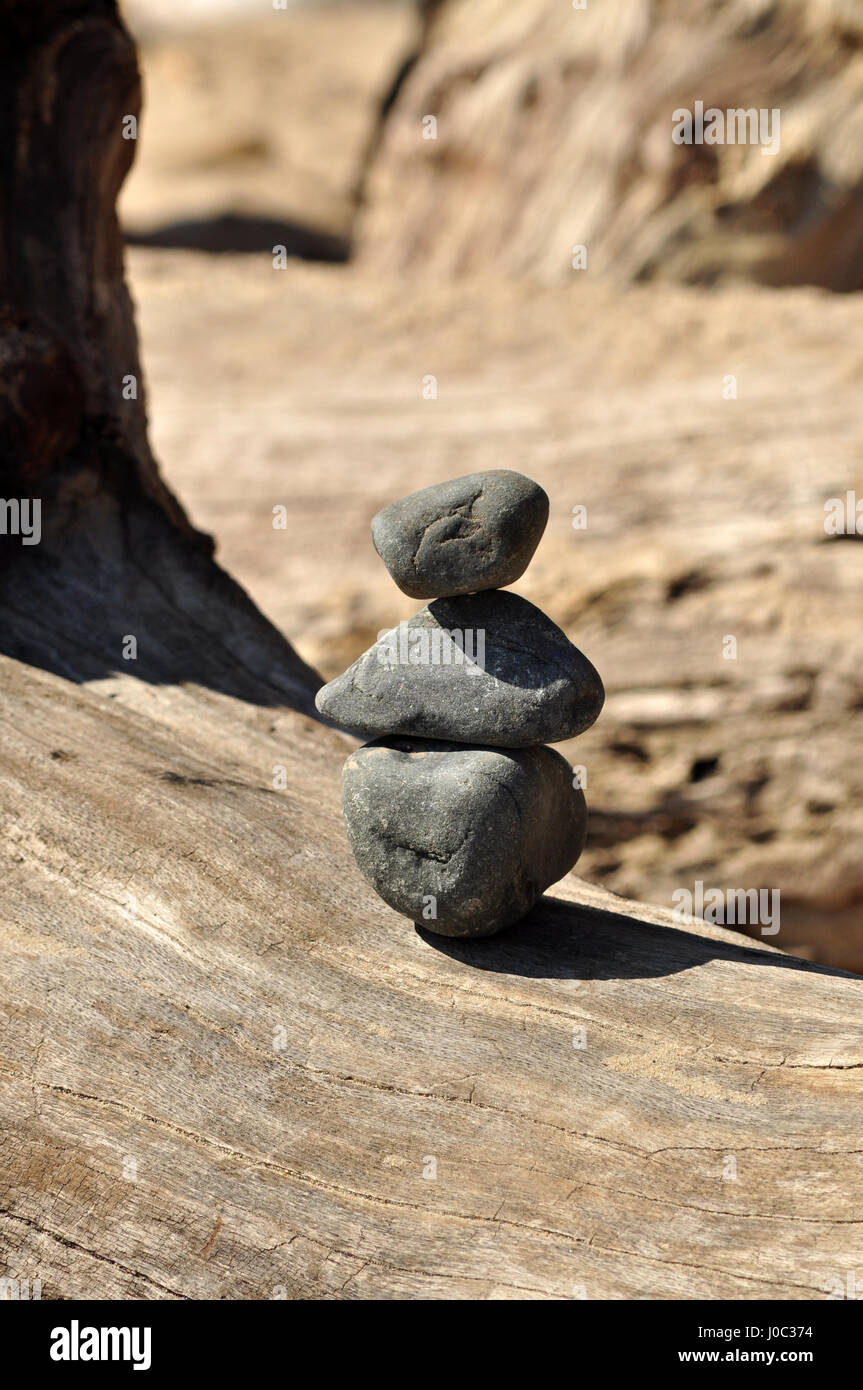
<point>471,533</point>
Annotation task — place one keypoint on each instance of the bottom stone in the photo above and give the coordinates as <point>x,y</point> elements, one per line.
<point>463,840</point>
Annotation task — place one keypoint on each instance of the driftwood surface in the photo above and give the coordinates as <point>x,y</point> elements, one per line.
<point>226,1066</point>
<point>226,1069</point>
<point>554,131</point>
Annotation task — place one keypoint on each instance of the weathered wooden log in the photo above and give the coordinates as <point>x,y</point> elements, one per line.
<point>227,1070</point>
<point>72,377</point>
<point>116,558</point>
<point>552,149</point>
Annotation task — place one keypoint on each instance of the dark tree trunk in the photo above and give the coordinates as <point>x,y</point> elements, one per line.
<point>69,82</point>
<point>117,554</point>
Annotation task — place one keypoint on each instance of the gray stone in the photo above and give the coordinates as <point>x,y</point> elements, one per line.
<point>471,533</point>
<point>462,840</point>
<point>529,686</point>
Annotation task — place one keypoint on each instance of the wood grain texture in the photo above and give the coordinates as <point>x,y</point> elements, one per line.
<point>68,345</point>
<point>554,131</point>
<point>227,1070</point>
<point>195,977</point>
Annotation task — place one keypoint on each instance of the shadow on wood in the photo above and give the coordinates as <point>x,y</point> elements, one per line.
<point>230,231</point>
<point>572,941</point>
<point>227,1065</point>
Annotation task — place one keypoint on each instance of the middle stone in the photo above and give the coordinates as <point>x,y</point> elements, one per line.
<point>487,668</point>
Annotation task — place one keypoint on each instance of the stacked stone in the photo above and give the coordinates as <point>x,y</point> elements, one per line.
<point>456,813</point>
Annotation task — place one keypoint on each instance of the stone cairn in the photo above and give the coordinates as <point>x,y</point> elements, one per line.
<point>456,813</point>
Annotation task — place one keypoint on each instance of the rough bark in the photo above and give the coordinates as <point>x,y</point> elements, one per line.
<point>70,78</point>
<point>118,556</point>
